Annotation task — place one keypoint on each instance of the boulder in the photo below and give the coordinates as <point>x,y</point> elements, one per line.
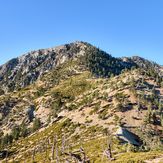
<point>128,137</point>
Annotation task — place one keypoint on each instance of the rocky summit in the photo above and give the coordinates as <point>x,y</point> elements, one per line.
<point>77,103</point>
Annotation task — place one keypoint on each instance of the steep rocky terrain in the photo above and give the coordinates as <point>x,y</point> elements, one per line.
<point>24,70</point>
<point>76,102</point>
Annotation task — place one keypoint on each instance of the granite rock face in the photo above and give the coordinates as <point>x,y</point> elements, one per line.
<point>24,70</point>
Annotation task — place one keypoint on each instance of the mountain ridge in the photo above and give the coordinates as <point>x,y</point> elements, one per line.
<point>81,98</point>
<point>32,65</point>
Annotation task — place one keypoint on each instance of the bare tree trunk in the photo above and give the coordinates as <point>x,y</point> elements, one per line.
<point>56,151</point>
<point>53,147</point>
<point>78,156</point>
<point>85,159</point>
<point>63,144</point>
<point>33,155</point>
<point>108,151</point>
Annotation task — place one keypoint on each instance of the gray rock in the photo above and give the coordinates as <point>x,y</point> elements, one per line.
<point>128,137</point>
<point>26,69</point>
<point>30,113</point>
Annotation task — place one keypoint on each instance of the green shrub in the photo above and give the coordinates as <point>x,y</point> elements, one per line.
<point>103,115</point>
<point>15,133</point>
<point>36,124</point>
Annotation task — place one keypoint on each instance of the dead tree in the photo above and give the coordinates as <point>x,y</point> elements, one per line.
<point>53,147</point>
<point>63,144</point>
<point>56,151</point>
<point>108,151</point>
<point>78,156</point>
<point>85,159</point>
<point>33,155</point>
<point>49,141</point>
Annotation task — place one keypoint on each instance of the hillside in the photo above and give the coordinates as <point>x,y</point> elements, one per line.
<point>77,103</point>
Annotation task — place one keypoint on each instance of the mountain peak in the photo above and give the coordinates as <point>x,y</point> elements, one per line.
<point>77,91</point>
<point>26,69</point>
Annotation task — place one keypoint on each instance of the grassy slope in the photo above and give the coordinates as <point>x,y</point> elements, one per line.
<point>92,142</point>
<point>73,90</point>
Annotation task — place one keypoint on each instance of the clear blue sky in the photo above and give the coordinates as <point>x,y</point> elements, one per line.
<point>120,27</point>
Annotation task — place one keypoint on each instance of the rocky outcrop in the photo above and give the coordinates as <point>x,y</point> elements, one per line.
<point>24,70</point>
<point>30,112</point>
<point>128,137</point>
